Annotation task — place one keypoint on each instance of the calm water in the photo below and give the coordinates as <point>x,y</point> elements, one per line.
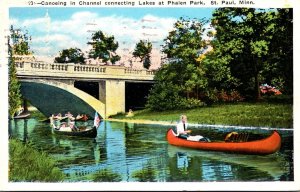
<point>137,152</point>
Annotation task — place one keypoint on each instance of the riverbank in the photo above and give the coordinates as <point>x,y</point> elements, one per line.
<point>241,114</point>
<point>29,164</point>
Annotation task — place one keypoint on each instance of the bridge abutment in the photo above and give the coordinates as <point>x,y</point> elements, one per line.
<point>112,94</point>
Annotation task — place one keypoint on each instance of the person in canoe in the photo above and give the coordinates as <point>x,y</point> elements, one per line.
<point>184,133</point>
<point>20,111</point>
<point>58,116</point>
<point>181,128</point>
<point>82,117</point>
<point>70,116</point>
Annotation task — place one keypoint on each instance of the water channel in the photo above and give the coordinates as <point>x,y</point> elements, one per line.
<point>127,152</point>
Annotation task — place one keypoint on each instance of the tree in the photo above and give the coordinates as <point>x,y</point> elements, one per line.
<point>244,37</point>
<point>143,50</point>
<point>71,55</point>
<point>218,75</point>
<point>279,69</point>
<point>104,47</point>
<point>18,44</point>
<point>183,46</point>
<point>14,94</point>
<point>179,82</point>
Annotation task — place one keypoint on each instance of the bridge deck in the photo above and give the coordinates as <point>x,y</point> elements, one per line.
<point>79,71</point>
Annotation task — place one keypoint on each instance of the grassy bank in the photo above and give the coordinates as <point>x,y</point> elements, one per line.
<point>28,164</point>
<point>243,114</point>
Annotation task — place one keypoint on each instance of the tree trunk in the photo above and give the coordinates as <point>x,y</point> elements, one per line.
<point>256,86</point>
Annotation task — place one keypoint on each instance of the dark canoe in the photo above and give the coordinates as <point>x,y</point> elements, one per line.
<point>264,146</point>
<point>22,116</point>
<point>87,132</point>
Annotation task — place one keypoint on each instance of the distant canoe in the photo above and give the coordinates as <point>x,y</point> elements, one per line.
<point>265,146</point>
<point>22,116</point>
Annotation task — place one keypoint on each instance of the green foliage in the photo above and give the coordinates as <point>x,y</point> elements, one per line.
<point>19,42</point>
<point>143,50</point>
<point>279,67</point>
<point>71,55</point>
<point>165,97</point>
<point>178,83</point>
<point>185,42</point>
<point>279,83</point>
<point>103,47</point>
<point>247,39</point>
<point>14,93</point>
<point>218,74</point>
<point>18,45</point>
<point>279,99</point>
<point>27,164</point>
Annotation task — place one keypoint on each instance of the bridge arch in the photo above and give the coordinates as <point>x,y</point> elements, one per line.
<point>50,96</point>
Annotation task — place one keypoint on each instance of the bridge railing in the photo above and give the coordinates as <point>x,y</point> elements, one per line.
<point>79,70</point>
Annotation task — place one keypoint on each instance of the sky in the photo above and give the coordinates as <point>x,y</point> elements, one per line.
<point>64,28</point>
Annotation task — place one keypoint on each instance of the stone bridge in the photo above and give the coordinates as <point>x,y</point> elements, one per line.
<point>51,86</point>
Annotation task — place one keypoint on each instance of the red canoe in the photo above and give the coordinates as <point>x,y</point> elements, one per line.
<point>264,146</point>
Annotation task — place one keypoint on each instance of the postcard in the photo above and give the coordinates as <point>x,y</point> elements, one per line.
<point>149,95</point>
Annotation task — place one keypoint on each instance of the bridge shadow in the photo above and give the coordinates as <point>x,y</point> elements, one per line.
<point>59,98</point>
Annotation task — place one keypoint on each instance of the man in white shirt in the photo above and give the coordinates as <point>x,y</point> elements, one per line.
<point>183,132</point>
<point>182,127</point>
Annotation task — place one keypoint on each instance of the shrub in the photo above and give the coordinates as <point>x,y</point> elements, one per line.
<point>282,99</point>
<point>215,96</point>
<point>28,164</point>
<point>190,103</point>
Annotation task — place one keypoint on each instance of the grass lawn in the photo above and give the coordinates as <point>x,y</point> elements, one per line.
<point>243,114</point>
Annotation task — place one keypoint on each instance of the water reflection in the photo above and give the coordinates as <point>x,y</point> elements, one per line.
<point>25,135</point>
<point>135,152</point>
<point>182,160</point>
<point>146,174</point>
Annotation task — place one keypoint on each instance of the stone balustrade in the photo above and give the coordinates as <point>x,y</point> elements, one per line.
<point>71,70</point>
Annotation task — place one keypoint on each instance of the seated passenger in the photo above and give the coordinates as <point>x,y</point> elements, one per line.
<point>181,128</point>
<point>184,133</point>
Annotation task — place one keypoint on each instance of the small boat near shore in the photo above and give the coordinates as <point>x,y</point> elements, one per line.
<point>22,116</point>
<point>265,146</point>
